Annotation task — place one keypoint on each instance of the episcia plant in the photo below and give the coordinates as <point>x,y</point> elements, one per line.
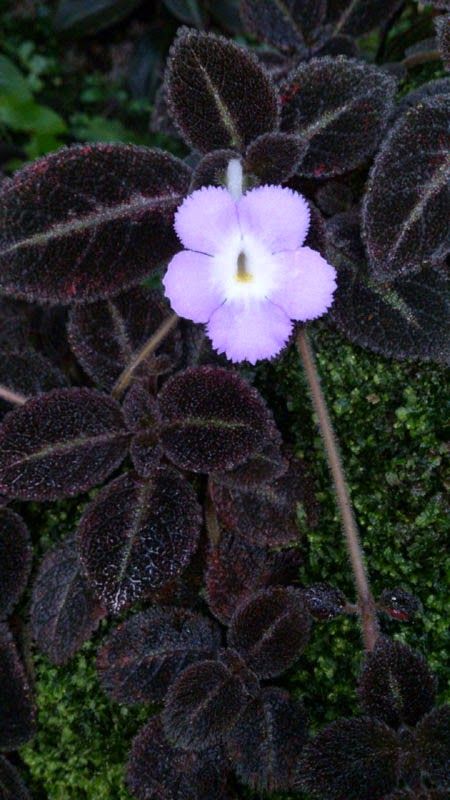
<point>315,196</point>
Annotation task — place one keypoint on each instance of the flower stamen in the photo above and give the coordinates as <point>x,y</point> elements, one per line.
<point>242,274</point>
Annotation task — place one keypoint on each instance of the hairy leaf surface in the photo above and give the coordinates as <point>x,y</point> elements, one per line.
<point>15,559</point>
<point>236,569</point>
<point>212,420</point>
<point>405,210</point>
<point>158,771</point>
<point>408,318</point>
<point>286,24</point>
<point>26,374</point>
<point>275,157</point>
<point>145,654</point>
<point>270,629</point>
<point>340,106</point>
<point>396,685</point>
<point>17,718</point>
<point>218,93</point>
<point>356,17</point>
<point>433,746</point>
<point>266,515</point>
<point>64,612</point>
<point>351,759</point>
<point>266,742</point>
<point>323,601</point>
<point>11,784</point>
<point>102,219</point>
<point>106,336</point>
<point>60,444</point>
<point>206,700</point>
<point>138,535</point>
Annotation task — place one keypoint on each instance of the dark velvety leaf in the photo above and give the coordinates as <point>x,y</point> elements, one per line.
<point>158,771</point>
<point>351,759</point>
<point>270,629</point>
<point>275,157</point>
<point>160,119</point>
<point>212,420</point>
<point>406,319</point>
<point>15,559</point>
<point>334,197</point>
<point>11,784</point>
<point>442,24</point>
<point>15,324</point>
<point>433,746</point>
<point>84,17</point>
<point>340,106</point>
<point>17,717</point>
<point>316,238</point>
<point>356,17</point>
<point>106,336</point>
<point>405,211</point>
<point>60,444</point>
<point>23,375</point>
<point>264,467</point>
<point>277,64</point>
<point>340,45</point>
<point>138,535</point>
<point>206,699</point>
<point>140,408</point>
<point>102,220</point>
<point>50,336</point>
<point>266,742</point>
<point>266,515</point>
<point>286,24</point>
<point>187,11</point>
<point>236,569</point>
<point>145,654</point>
<point>399,604</point>
<point>396,685</point>
<point>212,169</point>
<point>64,612</point>
<point>218,93</point>
<point>323,601</point>
<point>146,453</point>
<point>440,86</point>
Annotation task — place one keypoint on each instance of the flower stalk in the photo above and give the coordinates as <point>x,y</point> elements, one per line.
<point>12,397</point>
<point>148,348</point>
<point>366,603</point>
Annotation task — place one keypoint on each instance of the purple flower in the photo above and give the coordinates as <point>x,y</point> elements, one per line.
<point>245,272</point>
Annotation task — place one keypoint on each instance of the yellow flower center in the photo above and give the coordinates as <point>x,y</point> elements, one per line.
<point>242,274</point>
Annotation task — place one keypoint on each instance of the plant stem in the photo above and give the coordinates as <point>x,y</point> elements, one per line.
<point>366,605</point>
<point>415,59</point>
<point>212,523</point>
<point>12,397</point>
<point>149,347</point>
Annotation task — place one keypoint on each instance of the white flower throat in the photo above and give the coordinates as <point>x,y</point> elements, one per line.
<point>244,268</point>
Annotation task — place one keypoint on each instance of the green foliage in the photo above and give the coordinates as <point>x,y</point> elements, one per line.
<point>21,113</point>
<point>82,742</point>
<point>389,418</point>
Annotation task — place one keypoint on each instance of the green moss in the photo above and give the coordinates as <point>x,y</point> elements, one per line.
<point>82,741</point>
<point>389,418</point>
